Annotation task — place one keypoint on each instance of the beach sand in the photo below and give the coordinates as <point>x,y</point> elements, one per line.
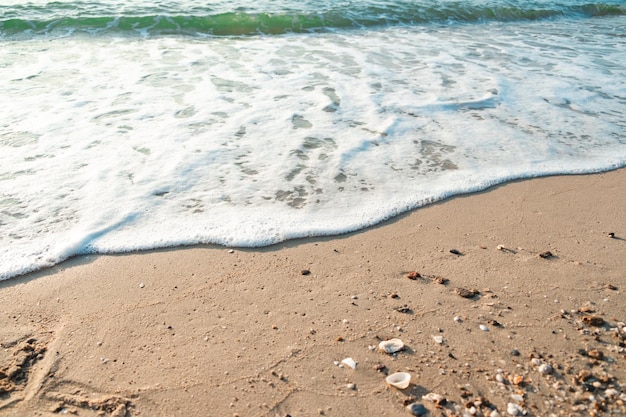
<point>208,331</point>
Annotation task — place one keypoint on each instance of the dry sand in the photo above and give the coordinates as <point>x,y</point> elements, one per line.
<point>205,331</point>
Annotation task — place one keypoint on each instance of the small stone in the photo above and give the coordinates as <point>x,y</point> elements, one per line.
<point>484,328</point>
<point>595,354</point>
<point>351,387</point>
<point>494,413</point>
<point>610,287</point>
<point>611,234</point>
<point>142,285</point>
<point>458,319</point>
<point>231,251</point>
<point>515,352</point>
<point>545,369</point>
<point>593,320</point>
<point>438,339</point>
<point>441,280</point>
<point>465,293</point>
<point>305,272</point>
<point>515,410</point>
<point>583,375</point>
<point>546,255</point>
<point>409,399</point>
<point>455,252</point>
<point>413,275</point>
<point>380,368</point>
<point>417,409</point>
<point>404,309</point>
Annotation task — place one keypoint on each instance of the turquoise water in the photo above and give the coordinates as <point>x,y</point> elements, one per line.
<point>128,126</point>
<point>276,17</point>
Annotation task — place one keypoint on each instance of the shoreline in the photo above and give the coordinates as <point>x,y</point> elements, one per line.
<point>76,259</point>
<point>204,330</point>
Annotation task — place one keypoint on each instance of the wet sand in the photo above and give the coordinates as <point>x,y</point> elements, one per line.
<point>208,331</point>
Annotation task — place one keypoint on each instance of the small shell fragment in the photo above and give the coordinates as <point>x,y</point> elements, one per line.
<point>349,362</point>
<point>391,345</point>
<point>484,328</point>
<point>400,380</point>
<point>436,398</point>
<point>438,339</point>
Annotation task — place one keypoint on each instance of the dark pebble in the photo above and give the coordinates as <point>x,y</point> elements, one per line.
<point>546,255</point>
<point>465,293</point>
<point>417,409</point>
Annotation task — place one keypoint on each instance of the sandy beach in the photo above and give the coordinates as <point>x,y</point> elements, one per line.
<point>508,302</point>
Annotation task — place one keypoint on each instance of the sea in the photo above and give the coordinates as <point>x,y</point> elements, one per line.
<point>133,125</point>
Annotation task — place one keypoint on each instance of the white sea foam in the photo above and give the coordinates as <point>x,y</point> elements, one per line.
<point>116,144</point>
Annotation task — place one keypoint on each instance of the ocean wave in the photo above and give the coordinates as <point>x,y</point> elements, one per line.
<point>57,18</point>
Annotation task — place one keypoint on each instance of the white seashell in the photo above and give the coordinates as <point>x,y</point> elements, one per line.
<point>494,413</point>
<point>391,345</point>
<point>536,361</point>
<point>500,378</point>
<point>399,380</point>
<point>484,328</point>
<point>431,396</point>
<point>438,339</point>
<point>545,369</point>
<point>458,319</point>
<point>349,362</point>
<point>611,393</point>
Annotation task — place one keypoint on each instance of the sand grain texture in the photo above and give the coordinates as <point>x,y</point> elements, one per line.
<point>205,332</point>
